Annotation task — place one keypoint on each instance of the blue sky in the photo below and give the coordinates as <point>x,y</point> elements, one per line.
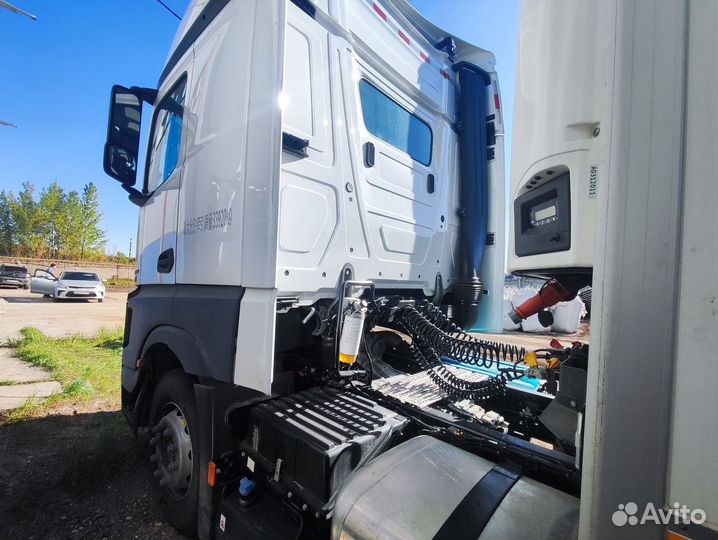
<point>56,74</point>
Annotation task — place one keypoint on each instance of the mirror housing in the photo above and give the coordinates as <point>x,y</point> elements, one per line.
<point>123,132</point>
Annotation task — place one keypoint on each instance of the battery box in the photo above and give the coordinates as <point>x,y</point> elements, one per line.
<point>310,442</point>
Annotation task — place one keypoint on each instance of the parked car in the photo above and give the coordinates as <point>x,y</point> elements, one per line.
<point>72,284</point>
<point>14,276</point>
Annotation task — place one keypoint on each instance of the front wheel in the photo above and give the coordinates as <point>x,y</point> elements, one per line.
<point>99,300</point>
<point>175,447</point>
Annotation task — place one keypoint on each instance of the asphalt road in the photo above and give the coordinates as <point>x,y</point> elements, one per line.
<point>20,308</point>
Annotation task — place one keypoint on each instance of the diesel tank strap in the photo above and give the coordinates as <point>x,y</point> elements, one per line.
<point>469,518</point>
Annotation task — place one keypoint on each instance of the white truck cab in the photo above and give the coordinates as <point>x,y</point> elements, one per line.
<point>286,148</point>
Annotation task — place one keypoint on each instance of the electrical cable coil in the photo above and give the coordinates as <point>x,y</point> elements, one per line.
<point>435,336</point>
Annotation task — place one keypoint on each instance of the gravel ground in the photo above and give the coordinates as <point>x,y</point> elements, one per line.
<point>538,341</point>
<point>20,308</point>
<point>79,475</point>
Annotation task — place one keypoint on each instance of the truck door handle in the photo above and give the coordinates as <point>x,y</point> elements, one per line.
<point>294,145</point>
<point>430,184</point>
<point>166,261</point>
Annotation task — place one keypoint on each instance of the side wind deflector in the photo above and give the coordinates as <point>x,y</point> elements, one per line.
<point>474,189</point>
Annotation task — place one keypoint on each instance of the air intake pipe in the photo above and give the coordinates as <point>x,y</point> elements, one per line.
<point>474,190</point>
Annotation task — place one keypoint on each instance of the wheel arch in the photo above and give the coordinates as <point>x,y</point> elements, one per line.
<point>166,349</point>
<point>182,344</point>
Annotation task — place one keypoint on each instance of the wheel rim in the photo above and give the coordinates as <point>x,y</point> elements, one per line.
<point>172,445</point>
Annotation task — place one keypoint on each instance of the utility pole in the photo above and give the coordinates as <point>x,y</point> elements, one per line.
<point>17,10</point>
<point>9,6</point>
<point>129,253</point>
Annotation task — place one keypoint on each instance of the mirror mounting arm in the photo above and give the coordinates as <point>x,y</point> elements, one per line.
<point>148,95</point>
<point>135,197</point>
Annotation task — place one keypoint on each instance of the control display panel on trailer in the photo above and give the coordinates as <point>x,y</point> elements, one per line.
<point>543,218</point>
<point>543,214</point>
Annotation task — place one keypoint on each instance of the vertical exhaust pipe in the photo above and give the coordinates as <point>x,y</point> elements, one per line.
<point>474,190</point>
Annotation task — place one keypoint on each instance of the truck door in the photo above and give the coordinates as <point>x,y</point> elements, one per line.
<point>163,174</point>
<point>401,184</point>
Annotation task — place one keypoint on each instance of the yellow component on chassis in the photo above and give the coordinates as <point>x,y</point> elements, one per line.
<point>531,359</point>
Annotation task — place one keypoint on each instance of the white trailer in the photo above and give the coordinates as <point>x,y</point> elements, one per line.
<point>623,98</point>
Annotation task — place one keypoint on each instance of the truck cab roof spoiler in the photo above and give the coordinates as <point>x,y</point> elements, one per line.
<point>200,14</point>
<point>462,50</point>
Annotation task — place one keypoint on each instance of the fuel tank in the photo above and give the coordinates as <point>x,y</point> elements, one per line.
<point>429,489</point>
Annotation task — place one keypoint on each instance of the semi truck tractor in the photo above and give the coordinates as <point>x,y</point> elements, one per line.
<point>321,234</point>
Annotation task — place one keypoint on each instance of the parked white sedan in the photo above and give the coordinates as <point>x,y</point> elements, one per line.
<point>70,285</point>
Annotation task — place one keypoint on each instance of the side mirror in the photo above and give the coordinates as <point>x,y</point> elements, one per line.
<point>123,135</point>
<point>120,164</point>
<point>123,132</point>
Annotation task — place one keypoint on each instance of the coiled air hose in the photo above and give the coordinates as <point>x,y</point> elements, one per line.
<point>434,336</point>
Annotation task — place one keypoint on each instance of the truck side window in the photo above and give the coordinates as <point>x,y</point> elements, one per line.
<point>393,124</point>
<point>166,137</point>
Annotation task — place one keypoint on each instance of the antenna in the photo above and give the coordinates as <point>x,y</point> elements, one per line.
<point>167,8</point>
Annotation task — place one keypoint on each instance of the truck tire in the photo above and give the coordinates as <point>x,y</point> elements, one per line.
<point>175,449</point>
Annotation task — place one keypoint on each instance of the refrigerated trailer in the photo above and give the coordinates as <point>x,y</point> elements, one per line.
<point>614,182</point>
<point>322,210</point>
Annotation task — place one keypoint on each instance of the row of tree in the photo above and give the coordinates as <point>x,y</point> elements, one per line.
<point>56,224</point>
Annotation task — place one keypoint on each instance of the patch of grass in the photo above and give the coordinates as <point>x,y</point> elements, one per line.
<point>23,412</point>
<point>120,283</point>
<point>87,368</point>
